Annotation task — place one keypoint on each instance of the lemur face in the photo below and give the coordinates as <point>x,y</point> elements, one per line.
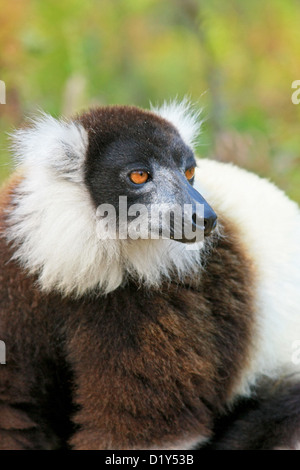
<point>73,167</point>
<point>139,155</point>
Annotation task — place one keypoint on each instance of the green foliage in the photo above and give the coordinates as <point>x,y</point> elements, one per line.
<point>236,59</point>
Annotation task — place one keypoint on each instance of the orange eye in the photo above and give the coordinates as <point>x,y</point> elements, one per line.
<point>190,173</point>
<point>139,177</point>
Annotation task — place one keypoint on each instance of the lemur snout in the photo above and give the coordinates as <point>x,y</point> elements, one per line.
<point>209,215</point>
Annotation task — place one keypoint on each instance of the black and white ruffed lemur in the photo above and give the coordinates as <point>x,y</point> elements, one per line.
<point>144,344</point>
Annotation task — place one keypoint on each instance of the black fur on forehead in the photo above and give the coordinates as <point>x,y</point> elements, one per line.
<point>122,135</point>
<point>107,124</point>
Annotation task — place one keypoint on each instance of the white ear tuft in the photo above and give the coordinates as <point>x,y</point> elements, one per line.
<point>184,116</point>
<point>52,144</point>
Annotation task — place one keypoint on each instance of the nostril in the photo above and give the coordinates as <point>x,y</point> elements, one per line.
<point>209,225</point>
<point>198,221</point>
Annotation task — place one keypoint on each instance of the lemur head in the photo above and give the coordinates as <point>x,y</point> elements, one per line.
<point>71,168</point>
<point>141,156</point>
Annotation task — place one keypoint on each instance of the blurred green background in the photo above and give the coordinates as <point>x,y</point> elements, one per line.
<point>236,59</point>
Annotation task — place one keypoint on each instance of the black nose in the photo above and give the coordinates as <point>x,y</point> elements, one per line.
<point>210,224</point>
<point>209,215</point>
<point>210,221</point>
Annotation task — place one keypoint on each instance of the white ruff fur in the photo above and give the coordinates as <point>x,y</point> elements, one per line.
<point>54,226</point>
<point>269,227</point>
<point>184,117</point>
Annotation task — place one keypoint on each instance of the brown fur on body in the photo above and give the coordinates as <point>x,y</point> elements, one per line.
<point>134,369</point>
